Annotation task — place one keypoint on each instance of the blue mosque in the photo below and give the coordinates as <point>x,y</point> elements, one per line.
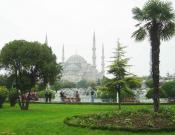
<point>76,68</point>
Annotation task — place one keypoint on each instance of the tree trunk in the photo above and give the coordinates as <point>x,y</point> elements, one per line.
<point>12,102</point>
<point>155,50</point>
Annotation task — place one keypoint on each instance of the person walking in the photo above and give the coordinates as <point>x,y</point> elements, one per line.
<point>62,96</point>
<point>50,96</point>
<point>92,96</point>
<point>46,97</point>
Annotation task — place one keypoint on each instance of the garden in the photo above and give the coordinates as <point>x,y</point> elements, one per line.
<point>48,119</point>
<point>32,67</point>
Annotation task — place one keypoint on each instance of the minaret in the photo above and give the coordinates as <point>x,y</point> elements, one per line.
<point>46,41</point>
<point>94,52</point>
<point>63,54</point>
<point>103,61</point>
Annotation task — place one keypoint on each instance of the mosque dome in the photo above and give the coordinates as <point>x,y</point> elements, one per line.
<point>76,59</point>
<point>76,69</point>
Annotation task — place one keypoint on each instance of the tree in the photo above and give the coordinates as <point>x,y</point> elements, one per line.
<point>13,96</point>
<point>149,83</point>
<point>3,95</point>
<point>28,63</point>
<point>149,94</point>
<point>3,80</point>
<point>107,90</point>
<point>60,84</point>
<point>118,69</point>
<point>169,88</point>
<point>133,82</point>
<point>82,84</point>
<point>105,93</point>
<point>156,21</point>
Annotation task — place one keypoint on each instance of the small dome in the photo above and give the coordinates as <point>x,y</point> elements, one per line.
<point>76,59</point>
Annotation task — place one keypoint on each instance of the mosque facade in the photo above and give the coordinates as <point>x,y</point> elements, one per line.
<point>76,68</point>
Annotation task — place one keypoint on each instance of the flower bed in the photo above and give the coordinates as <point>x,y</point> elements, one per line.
<point>141,120</point>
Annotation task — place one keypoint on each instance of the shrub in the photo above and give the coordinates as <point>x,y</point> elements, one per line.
<point>149,83</point>
<point>169,88</point>
<point>133,82</point>
<point>3,95</point>
<point>126,93</point>
<point>13,96</point>
<point>104,93</point>
<point>41,94</point>
<point>150,93</point>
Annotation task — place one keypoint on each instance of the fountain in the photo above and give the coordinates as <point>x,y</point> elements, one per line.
<point>84,94</point>
<point>141,94</point>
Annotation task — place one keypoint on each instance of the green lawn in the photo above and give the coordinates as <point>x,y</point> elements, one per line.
<point>47,119</point>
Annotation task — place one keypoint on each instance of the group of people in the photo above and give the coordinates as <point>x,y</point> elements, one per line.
<point>77,96</point>
<point>63,97</point>
<point>28,96</point>
<point>48,96</point>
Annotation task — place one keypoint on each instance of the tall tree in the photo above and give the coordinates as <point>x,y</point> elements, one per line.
<point>118,69</point>
<point>29,62</point>
<point>157,22</point>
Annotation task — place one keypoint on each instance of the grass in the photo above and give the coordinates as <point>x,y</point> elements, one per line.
<point>47,119</point>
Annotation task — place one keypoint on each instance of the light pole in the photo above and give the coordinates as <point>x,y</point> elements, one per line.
<point>118,88</point>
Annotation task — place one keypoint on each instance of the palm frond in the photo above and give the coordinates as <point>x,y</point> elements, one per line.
<point>158,10</point>
<point>140,34</point>
<point>138,14</point>
<point>167,31</point>
<point>138,24</point>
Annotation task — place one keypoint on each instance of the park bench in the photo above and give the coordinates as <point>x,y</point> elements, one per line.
<point>71,100</point>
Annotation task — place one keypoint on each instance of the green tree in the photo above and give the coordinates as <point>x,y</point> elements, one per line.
<point>118,69</point>
<point>149,83</point>
<point>163,93</point>
<point>3,80</point>
<point>133,82</point>
<point>62,84</point>
<point>107,90</point>
<point>28,63</point>
<point>156,21</point>
<point>82,84</point>
<point>169,88</point>
<point>13,96</point>
<point>105,93</point>
<point>3,95</point>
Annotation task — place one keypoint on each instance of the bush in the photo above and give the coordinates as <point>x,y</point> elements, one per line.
<point>133,82</point>
<point>150,93</point>
<point>62,84</point>
<point>3,95</point>
<point>41,94</point>
<point>13,96</point>
<point>169,88</point>
<point>105,93</point>
<point>127,93</point>
<point>149,83</point>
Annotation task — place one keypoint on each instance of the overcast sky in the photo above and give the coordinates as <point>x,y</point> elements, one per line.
<point>72,22</point>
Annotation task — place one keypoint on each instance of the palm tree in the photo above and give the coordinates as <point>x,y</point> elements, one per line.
<point>157,22</point>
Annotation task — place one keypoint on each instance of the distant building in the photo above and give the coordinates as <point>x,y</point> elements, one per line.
<point>76,67</point>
